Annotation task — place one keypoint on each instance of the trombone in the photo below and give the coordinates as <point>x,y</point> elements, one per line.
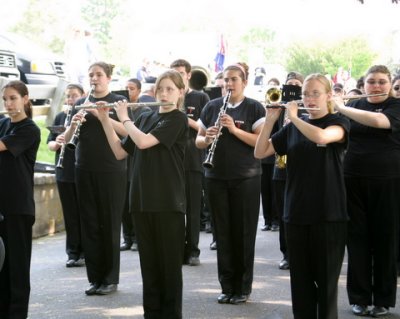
<point>131,105</point>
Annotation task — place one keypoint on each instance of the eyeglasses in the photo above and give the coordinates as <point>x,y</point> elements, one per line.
<point>380,82</point>
<point>314,95</point>
<point>396,88</point>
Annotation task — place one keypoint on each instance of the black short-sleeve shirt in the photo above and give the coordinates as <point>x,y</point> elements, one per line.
<point>375,152</point>
<point>233,158</point>
<point>158,176</point>
<point>93,153</point>
<point>315,189</point>
<point>194,103</point>
<point>17,163</point>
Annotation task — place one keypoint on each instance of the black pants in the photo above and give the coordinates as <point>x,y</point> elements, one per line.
<point>235,206</point>
<point>316,257</point>
<point>70,207</point>
<point>278,189</point>
<point>15,287</point>
<point>128,223</point>
<point>193,189</point>
<point>269,212</point>
<point>373,207</point>
<point>101,199</point>
<point>161,238</point>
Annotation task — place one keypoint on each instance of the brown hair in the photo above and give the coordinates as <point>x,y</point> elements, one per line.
<point>181,62</point>
<point>240,66</point>
<point>22,90</point>
<point>379,68</point>
<point>327,85</point>
<point>175,77</point>
<point>108,68</point>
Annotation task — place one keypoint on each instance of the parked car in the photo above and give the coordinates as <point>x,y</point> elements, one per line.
<point>35,64</point>
<point>8,63</point>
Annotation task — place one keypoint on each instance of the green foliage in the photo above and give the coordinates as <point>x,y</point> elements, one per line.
<point>44,154</point>
<point>352,54</point>
<point>100,15</point>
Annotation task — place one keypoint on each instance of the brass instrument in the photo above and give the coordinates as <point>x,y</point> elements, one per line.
<point>75,137</point>
<point>280,161</point>
<point>132,105</point>
<point>66,123</point>
<point>208,163</point>
<point>273,98</point>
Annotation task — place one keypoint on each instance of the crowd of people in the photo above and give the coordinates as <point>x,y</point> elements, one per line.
<point>324,166</point>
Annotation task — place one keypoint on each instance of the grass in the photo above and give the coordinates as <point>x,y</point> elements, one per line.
<point>44,154</point>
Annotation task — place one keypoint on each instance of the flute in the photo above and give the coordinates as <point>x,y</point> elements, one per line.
<point>132,105</point>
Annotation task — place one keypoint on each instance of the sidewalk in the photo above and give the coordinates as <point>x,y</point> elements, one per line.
<point>58,292</point>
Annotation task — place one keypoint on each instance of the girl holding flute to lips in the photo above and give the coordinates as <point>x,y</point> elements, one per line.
<point>315,212</point>
<point>157,141</point>
<point>372,175</point>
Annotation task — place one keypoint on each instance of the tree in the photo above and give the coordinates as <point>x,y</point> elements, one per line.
<point>352,54</point>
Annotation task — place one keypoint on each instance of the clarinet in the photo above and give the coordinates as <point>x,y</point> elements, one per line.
<point>75,137</point>
<point>208,163</point>
<point>66,122</point>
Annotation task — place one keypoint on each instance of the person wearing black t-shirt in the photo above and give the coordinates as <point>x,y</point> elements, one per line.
<point>372,171</point>
<point>101,185</point>
<point>193,104</point>
<point>157,142</point>
<point>65,177</point>
<point>234,182</point>
<point>19,142</point>
<point>315,202</point>
<point>133,86</point>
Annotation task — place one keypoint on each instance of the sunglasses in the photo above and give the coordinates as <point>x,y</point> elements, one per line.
<point>396,88</point>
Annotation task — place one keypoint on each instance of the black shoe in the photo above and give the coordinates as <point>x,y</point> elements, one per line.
<point>125,246</point>
<point>194,261</point>
<point>284,264</point>
<point>224,298</point>
<point>70,263</point>
<point>92,289</point>
<point>266,227</point>
<point>213,245</point>
<point>360,310</point>
<point>106,289</point>
<point>379,311</point>
<point>274,227</point>
<point>80,262</point>
<point>237,299</point>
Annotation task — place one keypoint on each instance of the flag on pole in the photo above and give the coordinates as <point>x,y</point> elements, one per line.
<point>220,57</point>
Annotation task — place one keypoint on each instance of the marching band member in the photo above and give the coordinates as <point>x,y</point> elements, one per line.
<point>315,217</point>
<point>157,143</point>
<point>234,182</point>
<point>19,142</point>
<point>372,171</point>
<point>193,103</point>
<point>65,177</point>
<point>101,185</point>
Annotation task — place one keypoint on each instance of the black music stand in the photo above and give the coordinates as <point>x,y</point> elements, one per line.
<point>291,93</point>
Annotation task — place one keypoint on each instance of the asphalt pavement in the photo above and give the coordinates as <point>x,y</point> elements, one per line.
<point>58,292</point>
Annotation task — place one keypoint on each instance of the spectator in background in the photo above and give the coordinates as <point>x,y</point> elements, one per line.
<point>148,94</point>
<point>259,76</point>
<point>338,89</point>
<point>360,84</point>
<point>273,82</point>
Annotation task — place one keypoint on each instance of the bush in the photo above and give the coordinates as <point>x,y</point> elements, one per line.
<point>44,154</point>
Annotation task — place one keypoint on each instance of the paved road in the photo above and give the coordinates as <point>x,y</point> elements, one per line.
<point>58,292</point>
